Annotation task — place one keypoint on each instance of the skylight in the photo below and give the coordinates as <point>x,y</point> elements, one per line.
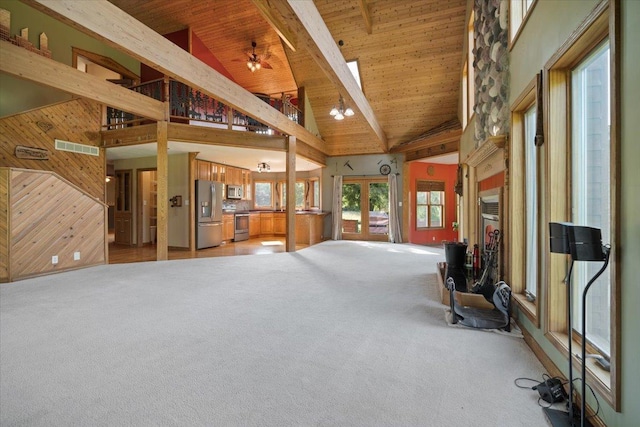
<point>355,70</point>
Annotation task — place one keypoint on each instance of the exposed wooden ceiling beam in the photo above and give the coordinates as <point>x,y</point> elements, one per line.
<point>111,25</point>
<point>27,65</point>
<point>366,15</point>
<point>327,55</point>
<point>286,35</point>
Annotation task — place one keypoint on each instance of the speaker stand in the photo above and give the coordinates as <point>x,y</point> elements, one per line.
<point>559,418</point>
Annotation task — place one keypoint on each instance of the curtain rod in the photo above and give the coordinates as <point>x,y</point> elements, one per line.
<point>366,176</point>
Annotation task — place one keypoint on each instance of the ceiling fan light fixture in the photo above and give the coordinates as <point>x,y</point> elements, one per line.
<point>334,111</point>
<point>339,116</point>
<point>348,112</point>
<point>263,167</point>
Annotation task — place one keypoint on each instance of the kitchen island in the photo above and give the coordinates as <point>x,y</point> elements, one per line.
<point>309,225</point>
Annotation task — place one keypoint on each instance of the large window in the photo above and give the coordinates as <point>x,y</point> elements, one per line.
<point>263,194</point>
<point>580,149</point>
<point>429,204</point>
<point>300,194</point>
<point>531,203</point>
<point>518,13</point>
<point>591,186</point>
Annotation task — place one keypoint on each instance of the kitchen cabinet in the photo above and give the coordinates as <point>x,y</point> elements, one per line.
<point>233,176</point>
<point>247,184</point>
<point>280,223</point>
<point>254,225</point>
<point>228,226</point>
<point>203,170</point>
<point>266,223</point>
<point>309,228</point>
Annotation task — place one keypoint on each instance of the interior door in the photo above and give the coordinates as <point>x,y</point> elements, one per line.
<point>123,211</point>
<point>365,209</point>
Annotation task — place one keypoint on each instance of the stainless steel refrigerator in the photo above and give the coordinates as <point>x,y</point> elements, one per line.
<point>208,214</point>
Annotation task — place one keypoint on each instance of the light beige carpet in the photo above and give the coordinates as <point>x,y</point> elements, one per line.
<point>338,334</point>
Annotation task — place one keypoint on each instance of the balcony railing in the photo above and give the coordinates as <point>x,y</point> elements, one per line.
<point>188,105</point>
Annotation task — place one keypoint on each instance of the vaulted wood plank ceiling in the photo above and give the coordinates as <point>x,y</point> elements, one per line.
<point>410,63</point>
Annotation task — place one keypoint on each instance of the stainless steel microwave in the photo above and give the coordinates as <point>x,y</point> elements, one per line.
<point>234,192</point>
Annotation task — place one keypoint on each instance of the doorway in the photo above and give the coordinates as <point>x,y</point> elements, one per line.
<point>365,209</point>
<point>123,212</point>
<point>147,207</point>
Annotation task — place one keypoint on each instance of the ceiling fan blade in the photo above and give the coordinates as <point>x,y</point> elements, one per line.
<point>266,65</point>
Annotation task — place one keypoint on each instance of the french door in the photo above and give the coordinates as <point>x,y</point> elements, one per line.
<point>365,209</point>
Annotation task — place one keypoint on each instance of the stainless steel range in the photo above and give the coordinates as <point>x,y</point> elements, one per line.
<point>241,226</point>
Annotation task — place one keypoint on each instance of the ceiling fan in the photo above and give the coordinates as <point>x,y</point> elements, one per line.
<point>256,61</point>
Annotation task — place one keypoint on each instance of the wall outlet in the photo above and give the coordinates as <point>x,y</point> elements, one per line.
<point>54,259</point>
<point>76,256</point>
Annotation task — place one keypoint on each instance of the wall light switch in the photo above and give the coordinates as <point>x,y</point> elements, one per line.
<point>76,256</point>
<point>186,202</point>
<point>144,203</point>
<point>54,259</point>
<point>399,203</point>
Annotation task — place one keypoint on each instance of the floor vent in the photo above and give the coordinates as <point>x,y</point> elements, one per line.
<point>77,148</point>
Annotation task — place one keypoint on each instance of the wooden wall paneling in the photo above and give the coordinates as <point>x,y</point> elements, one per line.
<point>76,121</point>
<point>5,272</point>
<point>51,217</point>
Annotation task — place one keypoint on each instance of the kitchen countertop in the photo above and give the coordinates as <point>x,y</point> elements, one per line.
<point>297,212</point>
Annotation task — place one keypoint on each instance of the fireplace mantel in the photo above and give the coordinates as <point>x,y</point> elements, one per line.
<point>489,158</point>
<point>492,145</point>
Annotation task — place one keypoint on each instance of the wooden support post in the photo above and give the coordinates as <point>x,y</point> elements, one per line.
<point>192,198</point>
<point>162,245</point>
<point>291,194</point>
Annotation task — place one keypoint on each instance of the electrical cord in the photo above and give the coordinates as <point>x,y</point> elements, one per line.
<point>593,393</point>
<point>545,378</point>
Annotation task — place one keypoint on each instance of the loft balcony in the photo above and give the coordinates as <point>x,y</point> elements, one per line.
<point>191,106</point>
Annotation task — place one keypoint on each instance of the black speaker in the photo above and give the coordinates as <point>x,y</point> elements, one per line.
<point>559,237</point>
<point>585,243</point>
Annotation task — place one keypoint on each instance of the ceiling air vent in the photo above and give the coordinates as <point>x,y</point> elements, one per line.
<point>77,148</point>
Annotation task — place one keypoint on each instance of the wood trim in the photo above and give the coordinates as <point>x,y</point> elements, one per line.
<point>27,65</point>
<point>5,225</point>
<point>588,35</point>
<point>310,153</point>
<point>162,243</point>
<point>517,211</point>
<point>109,24</point>
<point>291,194</point>
<point>492,145</point>
<point>615,28</point>
<point>231,138</point>
<point>192,197</point>
<point>556,206</point>
<point>134,135</point>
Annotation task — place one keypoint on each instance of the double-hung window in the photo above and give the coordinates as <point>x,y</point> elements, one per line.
<point>429,204</point>
<point>591,186</point>
<point>531,203</point>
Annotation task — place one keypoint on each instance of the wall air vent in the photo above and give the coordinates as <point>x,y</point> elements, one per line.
<point>74,147</point>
